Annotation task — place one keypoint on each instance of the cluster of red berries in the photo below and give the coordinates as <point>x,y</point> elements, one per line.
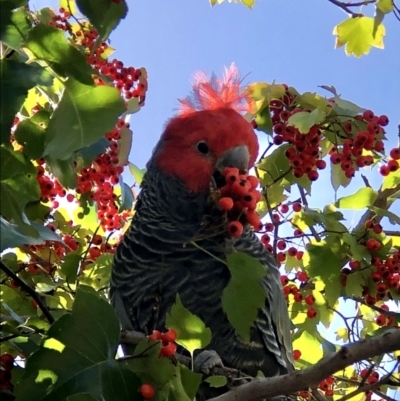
<point>385,275</point>
<point>98,179</point>
<point>327,386</point>
<point>6,366</point>
<point>371,377</point>
<point>167,338</point>
<point>289,287</point>
<point>304,152</point>
<point>393,163</point>
<point>351,153</point>
<point>239,199</point>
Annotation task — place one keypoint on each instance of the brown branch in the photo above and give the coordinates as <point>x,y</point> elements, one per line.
<point>381,202</point>
<point>392,233</point>
<point>346,6</point>
<point>261,388</point>
<point>375,308</point>
<point>35,296</point>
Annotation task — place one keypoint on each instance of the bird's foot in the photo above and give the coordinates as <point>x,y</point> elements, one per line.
<point>206,361</point>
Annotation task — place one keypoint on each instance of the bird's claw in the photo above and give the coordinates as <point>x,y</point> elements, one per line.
<point>206,361</point>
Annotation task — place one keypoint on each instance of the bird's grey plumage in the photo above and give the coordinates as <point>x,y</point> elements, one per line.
<point>156,260</point>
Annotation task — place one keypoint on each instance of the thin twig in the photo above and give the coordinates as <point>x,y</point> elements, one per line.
<point>35,296</point>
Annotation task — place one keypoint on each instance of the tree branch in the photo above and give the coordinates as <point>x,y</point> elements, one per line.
<point>375,308</point>
<point>261,388</point>
<point>381,202</point>
<point>35,296</point>
<point>346,6</point>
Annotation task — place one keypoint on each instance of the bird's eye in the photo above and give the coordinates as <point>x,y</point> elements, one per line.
<point>202,147</point>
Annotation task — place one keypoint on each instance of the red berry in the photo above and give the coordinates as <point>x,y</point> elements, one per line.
<point>368,115</point>
<point>311,313</point>
<point>284,280</point>
<point>380,320</point>
<point>284,208</point>
<point>309,299</point>
<point>147,391</point>
<point>296,354</point>
<point>393,165</point>
<point>369,224</point>
<point>395,153</point>
<point>383,121</point>
<point>321,164</point>
<point>225,203</point>
<point>313,175</point>
<point>354,264</point>
<point>155,335</point>
<point>168,350</point>
<point>296,207</point>
<point>235,229</point>
<point>302,276</point>
<point>384,170</point>
<point>169,336</point>
<point>7,361</point>
<point>373,245</point>
<point>292,251</point>
<point>377,228</point>
<point>281,245</point>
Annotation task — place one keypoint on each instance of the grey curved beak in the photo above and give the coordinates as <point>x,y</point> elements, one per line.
<point>238,157</point>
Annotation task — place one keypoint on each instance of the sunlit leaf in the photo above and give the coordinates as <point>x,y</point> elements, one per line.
<point>192,332</point>
<point>363,198</point>
<point>303,120</point>
<point>357,35</point>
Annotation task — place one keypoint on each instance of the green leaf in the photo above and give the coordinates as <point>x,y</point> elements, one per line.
<point>192,332</point>
<point>345,107</point>
<point>248,3</point>
<point>216,381</point>
<point>89,153</point>
<point>132,106</point>
<point>363,198</point>
<point>386,6</point>
<point>30,133</point>
<point>70,266</point>
<point>51,46</point>
<point>105,15</point>
<point>127,197</point>
<point>11,235</point>
<point>392,180</point>
<point>358,252</point>
<point>137,172</point>
<point>84,115</point>
<point>245,284</point>
<point>303,120</point>
<point>98,274</point>
<point>358,36</point>
<point>149,366</point>
<point>63,170</point>
<point>18,187</point>
<point>78,356</point>
<point>393,218</point>
<point>14,23</point>
<point>124,146</point>
<point>328,271</point>
<point>309,345</point>
<point>16,79</point>
<point>338,178</point>
<point>274,166</point>
<point>15,302</point>
<point>190,381</point>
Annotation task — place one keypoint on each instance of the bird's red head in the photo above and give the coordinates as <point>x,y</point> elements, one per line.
<point>209,133</point>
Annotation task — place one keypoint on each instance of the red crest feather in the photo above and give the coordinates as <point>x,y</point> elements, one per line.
<point>211,93</point>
